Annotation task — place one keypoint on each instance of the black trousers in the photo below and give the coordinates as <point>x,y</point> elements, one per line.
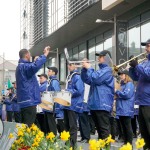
<point>127,129</point>
<point>9,116</point>
<point>70,119</point>
<point>134,124</point>
<point>17,116</point>
<point>101,119</point>
<point>40,121</point>
<point>113,127</point>
<point>60,125</point>
<point>119,130</point>
<point>28,115</point>
<point>84,125</point>
<point>144,124</point>
<point>92,124</point>
<point>50,122</point>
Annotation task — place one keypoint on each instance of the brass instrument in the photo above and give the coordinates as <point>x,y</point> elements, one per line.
<point>116,68</point>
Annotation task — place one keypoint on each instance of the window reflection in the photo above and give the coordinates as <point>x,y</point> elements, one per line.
<point>134,41</point>
<point>62,67</point>
<point>82,51</point>
<point>108,45</point>
<point>145,33</point>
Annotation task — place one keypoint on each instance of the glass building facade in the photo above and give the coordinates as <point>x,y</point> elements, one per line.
<point>138,31</point>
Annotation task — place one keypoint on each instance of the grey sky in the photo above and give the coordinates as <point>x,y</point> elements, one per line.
<point>10,28</point>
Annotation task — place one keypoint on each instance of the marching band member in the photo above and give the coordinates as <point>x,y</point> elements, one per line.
<point>9,105</point>
<point>141,73</point>
<point>16,108</point>
<point>54,85</point>
<point>40,115</point>
<point>75,86</point>
<point>125,105</point>
<point>28,93</point>
<point>101,93</point>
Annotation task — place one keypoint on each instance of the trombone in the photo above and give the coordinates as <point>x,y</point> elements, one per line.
<point>116,68</point>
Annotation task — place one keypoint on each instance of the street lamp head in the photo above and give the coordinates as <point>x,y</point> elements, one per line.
<point>106,21</point>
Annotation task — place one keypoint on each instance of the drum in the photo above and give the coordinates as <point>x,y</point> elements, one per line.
<point>63,98</point>
<point>47,100</point>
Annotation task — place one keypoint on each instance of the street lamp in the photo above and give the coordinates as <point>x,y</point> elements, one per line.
<point>115,29</point>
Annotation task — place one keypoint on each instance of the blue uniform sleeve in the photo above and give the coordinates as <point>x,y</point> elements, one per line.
<point>78,89</point>
<point>143,71</point>
<point>133,74</point>
<point>7,101</point>
<point>127,92</point>
<point>33,68</point>
<point>98,77</point>
<point>85,78</point>
<point>54,86</point>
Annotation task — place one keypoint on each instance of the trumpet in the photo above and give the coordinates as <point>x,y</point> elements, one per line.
<point>116,68</point>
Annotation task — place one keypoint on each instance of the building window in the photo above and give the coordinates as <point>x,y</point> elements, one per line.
<point>75,53</point>
<point>134,41</point>
<point>108,44</point>
<point>145,33</point>
<point>62,67</point>
<point>82,51</point>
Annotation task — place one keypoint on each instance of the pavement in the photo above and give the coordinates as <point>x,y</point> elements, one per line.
<point>114,146</point>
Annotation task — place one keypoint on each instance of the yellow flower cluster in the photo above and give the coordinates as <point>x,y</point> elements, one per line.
<point>96,145</point>
<point>64,136</point>
<point>50,136</point>
<point>139,143</point>
<point>128,146</point>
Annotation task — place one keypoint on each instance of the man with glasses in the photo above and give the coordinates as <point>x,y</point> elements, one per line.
<point>141,73</point>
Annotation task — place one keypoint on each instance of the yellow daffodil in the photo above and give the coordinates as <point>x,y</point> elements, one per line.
<point>80,148</point>
<point>128,146</point>
<point>102,143</point>
<point>139,143</point>
<point>109,140</point>
<point>20,133</point>
<point>64,136</point>
<point>24,126</point>
<point>35,144</point>
<point>11,136</point>
<point>94,145</point>
<point>70,148</point>
<point>34,127</point>
<point>50,136</point>
<point>28,130</point>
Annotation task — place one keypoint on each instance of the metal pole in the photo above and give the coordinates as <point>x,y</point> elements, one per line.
<point>115,39</point>
<point>3,70</point>
<point>57,57</point>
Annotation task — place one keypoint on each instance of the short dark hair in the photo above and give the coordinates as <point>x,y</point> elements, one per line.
<point>23,52</point>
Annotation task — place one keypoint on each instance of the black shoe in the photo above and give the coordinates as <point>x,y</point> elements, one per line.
<point>84,141</point>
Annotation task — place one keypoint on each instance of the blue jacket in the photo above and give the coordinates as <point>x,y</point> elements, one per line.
<point>101,83</point>
<point>43,86</point>
<point>55,86</point>
<point>141,73</point>
<point>9,104</point>
<point>125,100</point>
<point>16,107</point>
<point>76,88</point>
<point>28,92</point>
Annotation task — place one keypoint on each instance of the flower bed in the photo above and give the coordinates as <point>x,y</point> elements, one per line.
<point>34,139</point>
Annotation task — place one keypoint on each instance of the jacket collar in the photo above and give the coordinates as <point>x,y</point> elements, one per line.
<point>45,82</point>
<point>53,77</point>
<point>23,61</point>
<point>103,65</point>
<point>73,71</point>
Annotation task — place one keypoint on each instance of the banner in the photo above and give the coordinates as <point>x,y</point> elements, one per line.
<point>121,42</point>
